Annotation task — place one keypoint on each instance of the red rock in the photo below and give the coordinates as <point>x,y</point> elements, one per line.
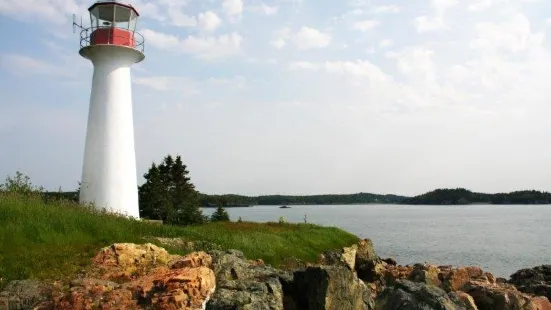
<point>541,303</point>
<point>195,259</point>
<point>504,297</point>
<point>187,284</point>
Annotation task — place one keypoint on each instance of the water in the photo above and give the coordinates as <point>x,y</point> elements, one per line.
<point>500,239</point>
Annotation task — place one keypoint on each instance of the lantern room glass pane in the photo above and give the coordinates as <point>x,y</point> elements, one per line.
<point>122,17</point>
<point>133,20</point>
<point>94,18</point>
<point>106,14</point>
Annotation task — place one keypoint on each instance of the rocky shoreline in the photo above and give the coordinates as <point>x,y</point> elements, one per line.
<point>145,276</point>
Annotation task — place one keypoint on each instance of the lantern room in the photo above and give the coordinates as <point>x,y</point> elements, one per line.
<point>113,23</point>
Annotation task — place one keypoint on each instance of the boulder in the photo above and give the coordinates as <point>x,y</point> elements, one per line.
<point>152,279</point>
<point>504,297</point>
<point>409,295</point>
<point>454,279</point>
<point>330,288</point>
<point>24,294</point>
<point>425,273</point>
<point>121,262</point>
<point>345,257</point>
<point>466,300</point>
<point>366,261</point>
<point>390,261</point>
<point>244,284</point>
<point>535,280</point>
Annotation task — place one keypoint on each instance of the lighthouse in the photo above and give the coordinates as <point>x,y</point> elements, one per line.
<point>112,44</point>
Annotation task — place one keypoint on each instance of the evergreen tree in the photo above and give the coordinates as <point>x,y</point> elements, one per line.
<point>169,195</point>
<point>220,215</point>
<point>152,204</point>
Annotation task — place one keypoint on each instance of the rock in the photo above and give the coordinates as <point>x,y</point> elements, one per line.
<point>241,284</point>
<point>504,297</point>
<point>345,257</point>
<point>257,262</point>
<point>369,267</point>
<point>349,256</point>
<point>330,287</point>
<point>122,262</point>
<point>425,273</point>
<point>24,294</point>
<point>454,279</point>
<point>536,280</point>
<point>466,300</point>
<point>159,281</point>
<point>390,261</point>
<point>196,259</point>
<point>408,295</point>
<point>365,252</point>
<point>94,282</point>
<point>182,288</point>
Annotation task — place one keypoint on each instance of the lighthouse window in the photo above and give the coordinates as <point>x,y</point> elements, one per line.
<point>94,18</point>
<point>122,16</point>
<point>106,13</point>
<point>133,20</point>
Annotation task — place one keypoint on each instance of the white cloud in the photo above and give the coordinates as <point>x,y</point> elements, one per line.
<point>429,24</point>
<point>207,48</point>
<point>357,69</point>
<point>52,11</point>
<point>304,39</point>
<point>26,66</point>
<point>186,86</point>
<point>387,9</point>
<point>515,35</point>
<point>208,21</point>
<point>435,21</point>
<point>303,65</point>
<point>442,5</point>
<point>236,82</point>
<point>310,38</point>
<point>178,18</point>
<point>183,85</point>
<point>233,9</point>
<point>278,43</point>
<point>264,9</point>
<point>385,43</point>
<point>480,5</point>
<point>366,25</point>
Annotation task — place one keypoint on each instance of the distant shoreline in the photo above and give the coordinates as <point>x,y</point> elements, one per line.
<point>456,196</point>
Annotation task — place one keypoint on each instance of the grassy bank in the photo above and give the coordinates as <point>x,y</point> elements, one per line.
<point>56,240</point>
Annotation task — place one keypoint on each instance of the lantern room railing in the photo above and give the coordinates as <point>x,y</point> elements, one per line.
<point>111,36</point>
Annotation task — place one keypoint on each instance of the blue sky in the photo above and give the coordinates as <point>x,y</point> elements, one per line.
<point>297,96</point>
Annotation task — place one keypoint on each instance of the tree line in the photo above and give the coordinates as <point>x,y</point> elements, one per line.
<point>462,196</point>
<point>330,199</point>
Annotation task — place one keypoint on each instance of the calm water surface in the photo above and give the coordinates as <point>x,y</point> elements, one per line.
<point>500,239</point>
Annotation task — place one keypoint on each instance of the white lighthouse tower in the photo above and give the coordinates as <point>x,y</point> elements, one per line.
<point>112,44</point>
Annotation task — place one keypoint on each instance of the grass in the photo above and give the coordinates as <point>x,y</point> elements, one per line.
<point>55,240</point>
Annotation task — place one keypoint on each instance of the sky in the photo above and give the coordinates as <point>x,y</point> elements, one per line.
<point>296,96</point>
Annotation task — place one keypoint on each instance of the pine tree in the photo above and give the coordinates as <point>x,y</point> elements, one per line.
<point>169,195</point>
<point>220,215</point>
<point>153,204</point>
